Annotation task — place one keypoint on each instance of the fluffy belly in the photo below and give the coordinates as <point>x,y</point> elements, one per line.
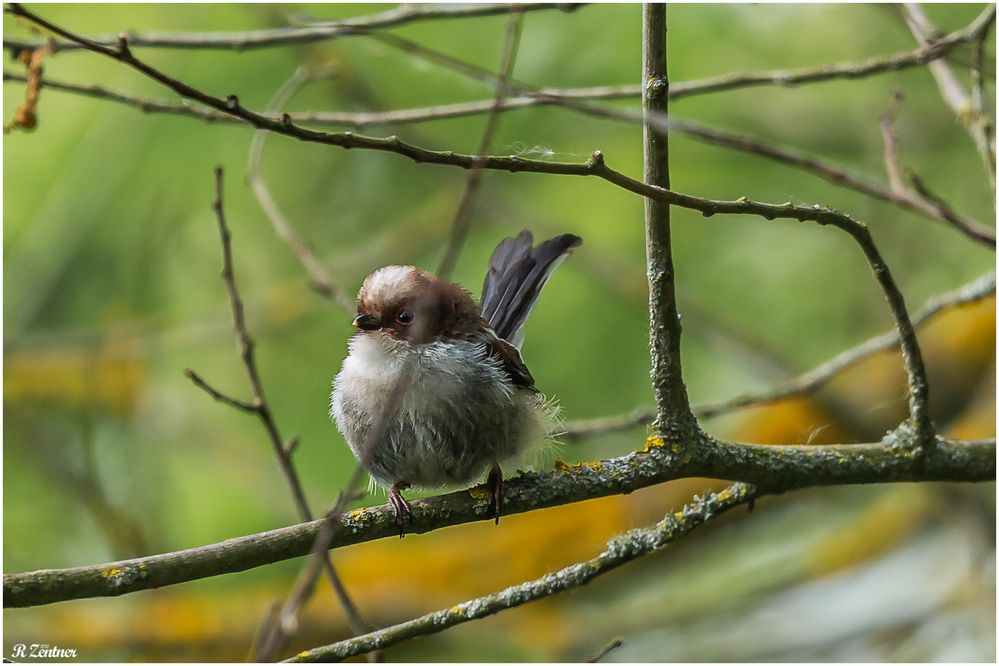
<point>457,416</point>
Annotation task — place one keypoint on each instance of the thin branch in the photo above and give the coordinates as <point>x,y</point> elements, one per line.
<point>598,426</point>
<point>463,214</point>
<point>815,378</point>
<point>836,175</point>
<point>951,90</point>
<point>323,31</point>
<point>890,141</point>
<point>773,468</point>
<point>673,416</point>
<point>241,405</point>
<point>973,292</point>
<point>619,551</point>
<point>979,106</point>
<point>259,404</point>
<point>829,172</point>
<point>282,625</point>
<point>946,213</point>
<point>286,621</point>
<point>321,281</point>
<point>612,645</point>
<point>904,198</point>
<point>734,81</point>
<point>918,197</point>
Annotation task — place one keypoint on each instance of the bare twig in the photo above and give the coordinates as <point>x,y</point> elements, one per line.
<point>321,281</point>
<point>614,644</point>
<point>259,404</point>
<point>286,125</point>
<point>283,624</point>
<point>945,212</point>
<point>974,291</point>
<point>326,30</point>
<point>979,105</point>
<point>904,198</point>
<point>463,214</point>
<point>241,405</point>
<point>918,196</point>
<point>619,550</point>
<point>286,622</point>
<point>951,90</point>
<point>890,142</point>
<point>787,78</point>
<point>604,424</point>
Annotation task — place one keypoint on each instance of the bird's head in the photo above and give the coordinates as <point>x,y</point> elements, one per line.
<point>412,305</point>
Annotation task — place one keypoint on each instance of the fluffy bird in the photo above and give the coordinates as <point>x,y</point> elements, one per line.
<point>433,391</point>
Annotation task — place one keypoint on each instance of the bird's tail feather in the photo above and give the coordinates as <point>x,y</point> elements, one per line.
<point>517,273</point>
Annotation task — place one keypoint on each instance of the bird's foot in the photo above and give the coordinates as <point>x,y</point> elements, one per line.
<point>399,505</point>
<point>496,492</point>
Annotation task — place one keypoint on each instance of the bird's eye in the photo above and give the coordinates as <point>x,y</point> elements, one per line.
<point>404,316</point>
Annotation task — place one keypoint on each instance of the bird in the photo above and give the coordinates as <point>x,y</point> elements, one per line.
<point>433,391</point>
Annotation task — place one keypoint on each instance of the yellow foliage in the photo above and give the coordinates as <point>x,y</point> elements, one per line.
<point>875,531</point>
<point>107,378</point>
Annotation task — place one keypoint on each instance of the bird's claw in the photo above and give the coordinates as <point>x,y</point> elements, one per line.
<point>400,506</point>
<point>496,492</point>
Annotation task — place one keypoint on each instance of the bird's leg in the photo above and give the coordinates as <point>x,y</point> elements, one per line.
<point>496,491</point>
<point>399,504</point>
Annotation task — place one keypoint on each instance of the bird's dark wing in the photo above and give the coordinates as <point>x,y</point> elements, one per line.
<point>507,355</point>
<point>513,364</point>
<point>517,273</point>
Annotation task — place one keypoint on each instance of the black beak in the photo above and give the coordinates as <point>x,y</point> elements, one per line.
<point>367,322</point>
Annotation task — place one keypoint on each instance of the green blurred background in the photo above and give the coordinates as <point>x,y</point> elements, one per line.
<point>111,289</point>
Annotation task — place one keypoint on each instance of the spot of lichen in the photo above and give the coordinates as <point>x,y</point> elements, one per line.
<point>478,492</point>
<point>595,465</point>
<point>456,610</point>
<point>651,443</point>
<point>355,514</point>
<point>304,654</point>
<point>111,572</point>
<point>725,495</point>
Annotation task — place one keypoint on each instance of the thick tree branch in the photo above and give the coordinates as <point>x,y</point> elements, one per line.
<point>773,468</point>
<point>619,550</point>
<point>673,416</point>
